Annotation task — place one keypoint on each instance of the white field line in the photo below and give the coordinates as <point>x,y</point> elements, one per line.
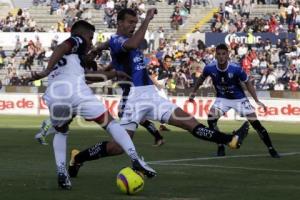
<point>173,163</point>
<point>219,158</point>
<point>228,167</point>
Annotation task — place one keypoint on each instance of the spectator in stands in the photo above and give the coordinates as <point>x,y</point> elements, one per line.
<point>18,46</point>
<point>246,9</point>
<point>176,19</point>
<point>54,5</point>
<point>98,4</point>
<point>2,52</point>
<point>188,5</point>
<point>105,59</point>
<point>279,86</point>
<point>100,36</point>
<point>54,43</point>
<point>161,35</point>
<point>151,42</point>
<point>14,80</point>
<point>1,62</point>
<point>60,26</point>
<point>204,2</point>
<point>22,63</point>
<point>172,2</point>
<point>23,81</point>
<point>39,52</point>
<point>110,14</point>
<point>28,61</point>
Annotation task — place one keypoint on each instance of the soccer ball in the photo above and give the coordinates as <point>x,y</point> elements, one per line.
<point>129,181</point>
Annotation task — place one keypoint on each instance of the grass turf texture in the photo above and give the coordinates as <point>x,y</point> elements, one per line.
<point>27,169</point>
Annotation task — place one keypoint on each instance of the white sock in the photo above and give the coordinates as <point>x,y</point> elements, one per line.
<point>60,148</point>
<point>121,136</point>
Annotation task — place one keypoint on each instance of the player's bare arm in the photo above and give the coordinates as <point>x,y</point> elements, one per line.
<point>57,54</point>
<point>252,92</point>
<point>135,41</point>
<point>100,76</point>
<point>108,67</point>
<point>99,47</point>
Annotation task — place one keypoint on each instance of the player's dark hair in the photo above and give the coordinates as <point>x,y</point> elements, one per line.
<point>222,47</point>
<point>126,11</point>
<point>81,24</point>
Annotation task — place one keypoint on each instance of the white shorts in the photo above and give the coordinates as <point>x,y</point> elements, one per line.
<point>63,109</point>
<point>241,106</point>
<point>144,102</point>
<point>162,93</point>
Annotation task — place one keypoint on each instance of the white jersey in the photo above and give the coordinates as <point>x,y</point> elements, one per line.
<point>67,94</point>
<point>68,69</point>
<point>67,77</point>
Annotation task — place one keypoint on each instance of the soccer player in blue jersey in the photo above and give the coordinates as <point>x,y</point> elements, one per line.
<point>144,102</point>
<point>227,78</point>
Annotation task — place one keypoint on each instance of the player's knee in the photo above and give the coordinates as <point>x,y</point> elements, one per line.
<point>114,148</point>
<point>183,120</point>
<point>62,129</point>
<point>104,120</point>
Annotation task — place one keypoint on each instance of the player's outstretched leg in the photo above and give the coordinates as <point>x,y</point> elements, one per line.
<point>121,143</point>
<point>99,150</point>
<point>263,134</point>
<point>183,120</point>
<point>158,138</point>
<point>121,136</point>
<point>212,124</point>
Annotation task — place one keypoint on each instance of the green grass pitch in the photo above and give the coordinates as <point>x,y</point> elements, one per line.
<point>187,168</point>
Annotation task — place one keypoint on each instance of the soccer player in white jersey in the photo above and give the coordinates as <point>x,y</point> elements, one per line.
<point>68,95</point>
<point>144,102</point>
<point>227,78</point>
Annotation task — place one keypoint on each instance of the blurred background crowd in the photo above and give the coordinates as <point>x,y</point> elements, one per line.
<point>272,65</point>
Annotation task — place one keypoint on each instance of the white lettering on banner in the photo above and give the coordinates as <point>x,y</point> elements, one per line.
<point>277,110</point>
<point>242,39</point>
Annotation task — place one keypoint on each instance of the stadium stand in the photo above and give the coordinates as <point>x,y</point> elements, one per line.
<point>272,66</point>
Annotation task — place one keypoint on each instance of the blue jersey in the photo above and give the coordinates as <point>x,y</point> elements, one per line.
<point>129,61</point>
<point>227,82</point>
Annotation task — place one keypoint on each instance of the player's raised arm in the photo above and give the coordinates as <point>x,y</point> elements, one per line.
<point>138,37</point>
<point>57,54</point>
